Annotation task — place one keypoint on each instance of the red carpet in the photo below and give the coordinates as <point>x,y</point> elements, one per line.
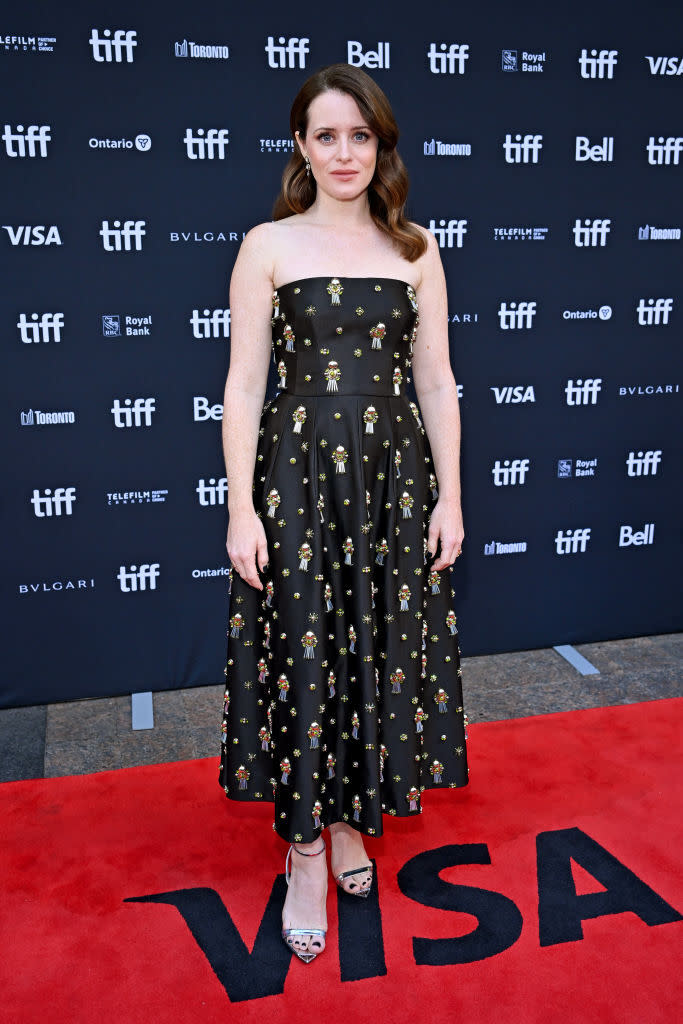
<point>559,895</point>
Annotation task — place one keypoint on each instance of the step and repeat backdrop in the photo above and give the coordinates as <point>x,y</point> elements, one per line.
<point>140,143</point>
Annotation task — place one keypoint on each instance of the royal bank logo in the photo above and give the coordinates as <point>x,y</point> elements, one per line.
<point>526,62</point>
<point>41,328</point>
<point>514,394</point>
<point>357,57</point>
<point>591,232</point>
<point>497,547</point>
<point>58,502</point>
<point>287,52</point>
<point>572,542</point>
<point>522,149</point>
<point>212,491</point>
<point>210,323</point>
<point>276,145</point>
<point>520,234</point>
<point>122,237</point>
<point>27,44</point>
<point>117,48</point>
<point>665,65</point>
<point>516,316</point>
<point>448,58</point>
<point>141,142</point>
<point>599,152</point>
<point>133,412</point>
<point>654,312</point>
<point>568,468</point>
<point>449,234</point>
<point>33,234</point>
<point>437,148</point>
<point>649,233</point>
<point>135,578</point>
<point>133,326</point>
<point>602,313</point>
<point>583,392</point>
<point>510,472</point>
<point>137,497</point>
<point>38,418</point>
<point>201,51</point>
<point>206,143</point>
<point>598,63</point>
<point>664,150</point>
<point>643,463</point>
<point>26,143</point>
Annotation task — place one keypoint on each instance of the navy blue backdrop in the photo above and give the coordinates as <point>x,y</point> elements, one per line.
<point>140,142</point>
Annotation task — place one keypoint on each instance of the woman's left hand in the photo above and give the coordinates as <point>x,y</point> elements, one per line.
<point>446,525</point>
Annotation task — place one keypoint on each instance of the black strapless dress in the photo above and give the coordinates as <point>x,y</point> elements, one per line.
<point>343,694</point>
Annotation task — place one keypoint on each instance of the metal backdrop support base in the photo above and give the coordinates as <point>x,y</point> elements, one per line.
<point>142,710</point>
<point>580,663</point>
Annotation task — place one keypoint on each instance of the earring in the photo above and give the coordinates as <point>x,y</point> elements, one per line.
<point>308,167</point>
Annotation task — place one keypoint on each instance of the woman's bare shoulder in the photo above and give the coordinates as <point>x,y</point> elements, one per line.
<point>431,257</point>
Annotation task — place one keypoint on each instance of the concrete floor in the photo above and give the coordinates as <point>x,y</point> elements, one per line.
<point>82,736</point>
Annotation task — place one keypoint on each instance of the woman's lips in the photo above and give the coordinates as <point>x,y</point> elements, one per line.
<point>344,174</point>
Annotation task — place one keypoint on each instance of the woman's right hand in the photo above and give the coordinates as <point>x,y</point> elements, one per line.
<point>246,543</point>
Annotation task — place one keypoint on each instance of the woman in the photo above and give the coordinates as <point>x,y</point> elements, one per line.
<point>343,696</point>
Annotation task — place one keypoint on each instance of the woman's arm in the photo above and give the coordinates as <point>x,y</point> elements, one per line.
<point>438,400</point>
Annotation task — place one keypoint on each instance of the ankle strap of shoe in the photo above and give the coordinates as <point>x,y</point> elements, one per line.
<point>316,854</point>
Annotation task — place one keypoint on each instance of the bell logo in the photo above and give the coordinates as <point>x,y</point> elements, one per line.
<point>29,142</point>
<point>628,536</point>
<point>603,151</point>
<point>524,150</point>
<point>583,392</point>
<point>41,327</point>
<point>599,64</point>
<point>510,472</point>
<point>122,238</point>
<point>206,144</point>
<point>212,492</point>
<point>572,542</point>
<point>211,323</point>
<point>133,414</point>
<point>287,52</point>
<point>53,503</point>
<point>519,315</point>
<point>591,232</point>
<point>447,233</point>
<point>114,49</point>
<point>654,312</point>
<point>643,463</point>
<point>378,58</point>
<point>204,411</point>
<point>133,578</point>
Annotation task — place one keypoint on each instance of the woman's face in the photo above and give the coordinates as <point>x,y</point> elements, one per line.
<point>342,148</point>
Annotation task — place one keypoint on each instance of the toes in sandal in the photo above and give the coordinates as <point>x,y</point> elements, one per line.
<point>308,954</point>
<point>357,891</point>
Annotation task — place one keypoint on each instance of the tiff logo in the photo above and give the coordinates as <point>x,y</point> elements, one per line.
<point>519,315</point>
<point>28,142</point>
<point>213,492</point>
<point>212,324</point>
<point>133,579</point>
<point>525,149</point>
<point>447,233</point>
<point>53,503</point>
<point>599,64</point>
<point>287,53</point>
<point>629,536</point>
<point>444,60</point>
<point>510,472</point>
<point>572,542</point>
<point>654,312</point>
<point>643,463</point>
<point>591,232</point>
<point>41,327</point>
<point>664,151</point>
<point>108,49</point>
<point>583,392</point>
<point>123,239</point>
<point>206,146</point>
<point>133,414</point>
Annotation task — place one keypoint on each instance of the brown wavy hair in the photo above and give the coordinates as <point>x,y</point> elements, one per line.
<point>388,190</point>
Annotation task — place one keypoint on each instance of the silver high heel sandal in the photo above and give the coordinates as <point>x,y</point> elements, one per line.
<point>306,956</point>
<point>355,892</point>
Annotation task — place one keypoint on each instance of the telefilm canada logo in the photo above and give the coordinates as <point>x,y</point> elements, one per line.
<point>115,498</point>
<point>523,60</point>
<point>520,234</point>
<point>28,44</point>
<point>276,145</point>
<point>201,51</point>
